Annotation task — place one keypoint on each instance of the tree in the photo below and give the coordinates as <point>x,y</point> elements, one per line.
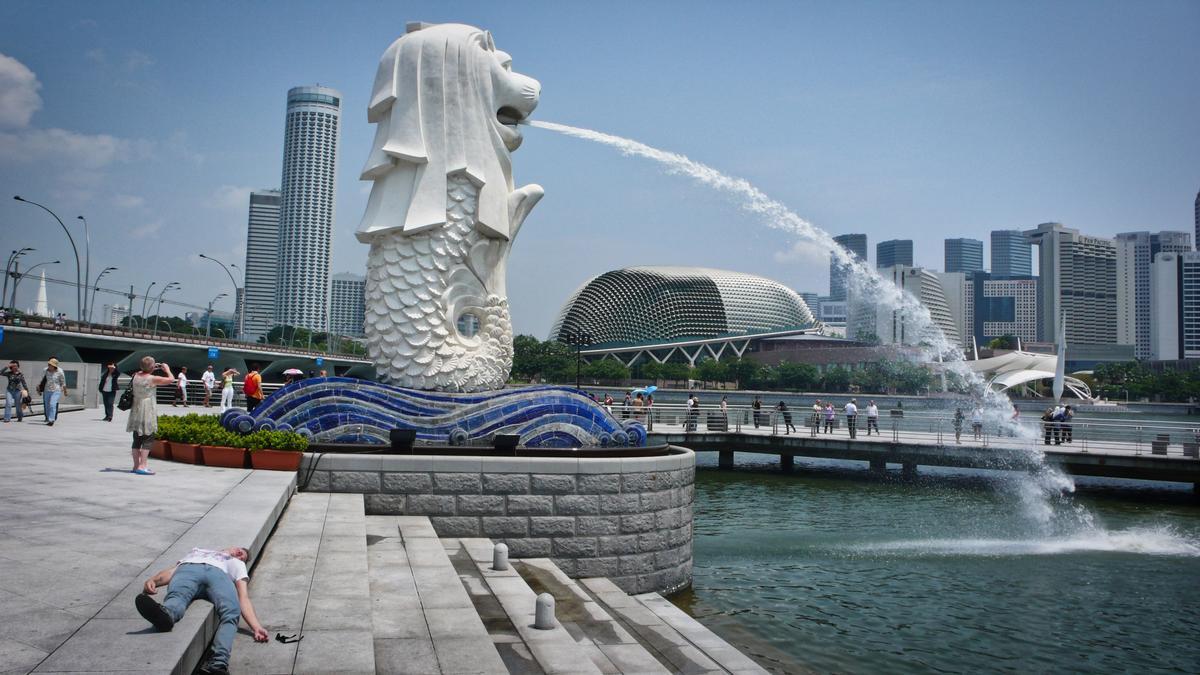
<point>1003,342</point>
<point>677,372</point>
<point>606,369</point>
<point>836,379</point>
<point>743,371</point>
<point>797,376</point>
<point>712,370</point>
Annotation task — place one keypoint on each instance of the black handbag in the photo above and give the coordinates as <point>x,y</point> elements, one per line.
<point>126,401</point>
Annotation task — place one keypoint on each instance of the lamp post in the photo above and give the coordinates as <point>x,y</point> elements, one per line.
<point>169,287</point>
<point>78,272</point>
<point>208,323</point>
<point>96,288</point>
<point>8,267</point>
<point>17,276</point>
<point>581,339</point>
<point>87,262</point>
<point>241,321</point>
<point>145,298</point>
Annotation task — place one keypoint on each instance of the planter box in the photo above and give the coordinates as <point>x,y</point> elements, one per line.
<point>187,453</point>
<point>276,460</point>
<point>229,458</point>
<point>160,450</point>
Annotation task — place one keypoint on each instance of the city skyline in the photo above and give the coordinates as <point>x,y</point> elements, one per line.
<point>165,158</point>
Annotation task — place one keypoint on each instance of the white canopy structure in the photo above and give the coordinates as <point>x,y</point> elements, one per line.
<point>1015,368</point>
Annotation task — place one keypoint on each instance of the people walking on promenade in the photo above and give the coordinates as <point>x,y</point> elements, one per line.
<point>143,416</point>
<point>852,418</point>
<point>788,427</point>
<point>977,423</point>
<point>209,379</point>
<point>959,417</point>
<point>1049,425</point>
<point>1067,429</point>
<point>219,576</point>
<point>252,388</point>
<point>814,420</point>
<point>52,388</point>
<point>227,388</point>
<point>15,391</point>
<point>872,418</point>
<point>690,422</point>
<point>180,388</point>
<point>108,389</point>
<point>756,407</point>
<point>830,415</point>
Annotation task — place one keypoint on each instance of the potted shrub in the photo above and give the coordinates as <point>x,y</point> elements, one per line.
<point>276,450</point>
<point>183,434</point>
<point>220,448</point>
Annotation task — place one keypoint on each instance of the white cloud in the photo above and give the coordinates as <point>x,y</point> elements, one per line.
<point>19,97</point>
<point>128,201</point>
<point>136,60</point>
<point>146,231</point>
<point>97,56</point>
<point>89,151</point>
<point>231,197</point>
<point>803,252</point>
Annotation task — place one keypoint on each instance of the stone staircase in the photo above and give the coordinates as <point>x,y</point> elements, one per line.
<point>383,594</point>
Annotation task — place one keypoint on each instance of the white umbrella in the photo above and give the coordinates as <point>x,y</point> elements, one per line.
<point>293,371</point>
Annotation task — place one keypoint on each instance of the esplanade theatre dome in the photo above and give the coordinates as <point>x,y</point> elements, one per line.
<point>638,305</point>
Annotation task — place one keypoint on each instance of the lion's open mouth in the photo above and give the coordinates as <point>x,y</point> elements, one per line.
<point>509,116</point>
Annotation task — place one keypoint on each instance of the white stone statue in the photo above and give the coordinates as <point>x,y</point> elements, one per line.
<point>443,213</point>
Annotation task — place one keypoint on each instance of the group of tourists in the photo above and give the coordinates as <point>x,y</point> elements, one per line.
<point>51,387</point>
<point>976,423</point>
<point>824,417</point>
<point>637,406</point>
<point>1056,424</point>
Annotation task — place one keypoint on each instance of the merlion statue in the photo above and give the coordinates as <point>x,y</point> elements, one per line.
<point>443,212</point>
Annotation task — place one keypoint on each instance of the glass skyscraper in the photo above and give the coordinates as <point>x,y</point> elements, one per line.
<point>257,301</point>
<point>1135,252</point>
<point>1012,254</point>
<point>347,304</point>
<point>307,206</point>
<point>856,244</point>
<point>964,255</point>
<point>894,252</point>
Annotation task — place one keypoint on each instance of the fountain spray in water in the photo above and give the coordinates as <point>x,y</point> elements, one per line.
<point>1044,486</point>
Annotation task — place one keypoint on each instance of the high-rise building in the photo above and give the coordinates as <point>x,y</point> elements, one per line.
<point>893,327</point>
<point>257,298</point>
<point>1175,306</point>
<point>347,308</point>
<point>1196,206</point>
<point>813,300</point>
<point>964,255</point>
<point>306,206</point>
<point>1077,279</point>
<point>856,244</point>
<point>894,252</point>
<point>955,287</point>
<point>1135,251</point>
<point>995,306</point>
<point>1012,255</point>
<point>114,314</point>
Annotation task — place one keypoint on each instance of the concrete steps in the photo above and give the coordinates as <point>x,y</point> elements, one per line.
<point>676,639</point>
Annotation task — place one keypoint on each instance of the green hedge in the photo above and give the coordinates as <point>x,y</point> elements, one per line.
<point>207,430</point>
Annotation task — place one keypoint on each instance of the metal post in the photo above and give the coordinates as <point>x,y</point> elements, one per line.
<point>12,260</point>
<point>87,266</point>
<point>157,312</point>
<point>92,306</point>
<point>78,279</point>
<point>145,298</point>
<point>241,319</point>
<point>131,296</point>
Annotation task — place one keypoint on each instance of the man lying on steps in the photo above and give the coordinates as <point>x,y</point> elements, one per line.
<point>218,576</point>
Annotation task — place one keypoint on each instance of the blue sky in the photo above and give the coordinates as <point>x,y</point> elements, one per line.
<point>920,120</point>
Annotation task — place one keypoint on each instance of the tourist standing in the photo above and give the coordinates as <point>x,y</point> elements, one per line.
<point>1048,425</point>
<point>872,418</point>
<point>1066,428</point>
<point>757,407</point>
<point>227,388</point>
<point>108,389</point>
<point>52,388</point>
<point>209,380</point>
<point>958,424</point>
<point>977,423</point>
<point>15,391</point>
<point>690,422</point>
<point>639,404</point>
<point>181,388</point>
<point>1057,418</point>
<point>788,427</point>
<point>829,417</point>
<point>852,418</point>
<point>252,388</point>
<point>143,416</point>
<point>650,412</point>
<point>608,403</point>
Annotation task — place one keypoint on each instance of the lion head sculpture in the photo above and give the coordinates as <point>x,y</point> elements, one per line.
<point>443,212</point>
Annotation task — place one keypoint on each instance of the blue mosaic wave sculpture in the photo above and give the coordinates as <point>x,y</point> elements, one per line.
<point>349,410</point>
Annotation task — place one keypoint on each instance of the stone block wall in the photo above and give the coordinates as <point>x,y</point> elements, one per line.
<point>628,519</point>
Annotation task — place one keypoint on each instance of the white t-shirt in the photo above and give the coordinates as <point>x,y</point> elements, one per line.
<point>236,569</point>
<point>208,378</point>
<point>851,410</point>
<point>872,411</point>
<point>182,381</point>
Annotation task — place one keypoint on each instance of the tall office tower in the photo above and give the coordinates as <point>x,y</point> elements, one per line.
<point>964,255</point>
<point>1012,255</point>
<point>1077,278</point>
<point>1135,252</point>
<point>347,304</point>
<point>1196,206</point>
<point>114,314</point>
<point>894,252</point>
<point>995,306</point>
<point>306,206</point>
<point>856,244</point>
<point>1175,306</point>
<point>955,287</point>
<point>262,265</point>
<point>893,327</point>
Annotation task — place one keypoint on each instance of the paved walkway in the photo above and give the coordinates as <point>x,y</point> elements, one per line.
<point>76,528</point>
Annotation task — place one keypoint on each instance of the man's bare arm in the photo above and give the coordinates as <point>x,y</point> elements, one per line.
<point>243,591</point>
<point>161,579</point>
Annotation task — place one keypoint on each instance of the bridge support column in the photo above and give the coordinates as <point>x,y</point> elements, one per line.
<point>909,470</point>
<point>786,462</point>
<point>725,459</point>
<point>878,466</point>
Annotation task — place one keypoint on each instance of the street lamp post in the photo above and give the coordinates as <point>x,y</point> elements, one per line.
<point>208,323</point>
<point>171,286</point>
<point>78,272</point>
<point>17,276</point>
<point>241,314</point>
<point>96,288</point>
<point>145,298</point>
<point>87,262</point>
<point>581,339</point>
<point>8,266</point>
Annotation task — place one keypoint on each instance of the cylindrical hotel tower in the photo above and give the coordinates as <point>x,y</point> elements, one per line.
<point>307,206</point>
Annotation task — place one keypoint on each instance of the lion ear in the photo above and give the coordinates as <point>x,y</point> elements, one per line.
<point>491,44</point>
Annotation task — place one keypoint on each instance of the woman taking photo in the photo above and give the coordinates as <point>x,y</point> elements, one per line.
<point>143,416</point>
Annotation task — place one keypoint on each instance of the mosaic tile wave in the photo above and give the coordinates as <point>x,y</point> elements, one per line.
<point>349,410</point>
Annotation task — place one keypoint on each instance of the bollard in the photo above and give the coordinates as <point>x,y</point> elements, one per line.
<point>500,557</point>
<point>543,616</point>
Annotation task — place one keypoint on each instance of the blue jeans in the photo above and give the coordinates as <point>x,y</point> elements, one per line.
<point>12,398</point>
<point>197,580</point>
<point>50,403</point>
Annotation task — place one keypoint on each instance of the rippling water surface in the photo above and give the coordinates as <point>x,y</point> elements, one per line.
<point>827,570</point>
